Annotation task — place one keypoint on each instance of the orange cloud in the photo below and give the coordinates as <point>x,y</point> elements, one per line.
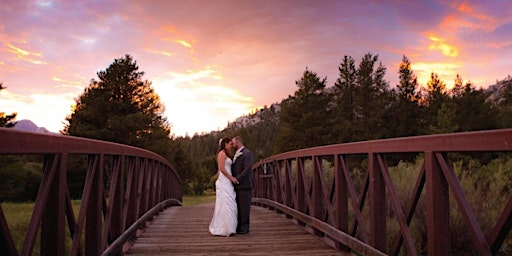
<point>499,45</point>
<point>165,53</point>
<point>184,43</point>
<point>164,31</point>
<point>439,44</point>
<point>466,16</point>
<point>68,83</point>
<point>192,75</point>
<point>25,55</point>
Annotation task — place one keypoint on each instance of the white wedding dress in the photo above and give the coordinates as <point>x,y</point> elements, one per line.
<point>224,219</point>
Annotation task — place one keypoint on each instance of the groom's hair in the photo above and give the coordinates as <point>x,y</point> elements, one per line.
<point>239,139</point>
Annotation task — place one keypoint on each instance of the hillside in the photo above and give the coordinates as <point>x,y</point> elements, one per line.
<point>272,113</point>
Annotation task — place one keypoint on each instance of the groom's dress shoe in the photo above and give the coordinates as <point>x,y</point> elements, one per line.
<point>241,232</point>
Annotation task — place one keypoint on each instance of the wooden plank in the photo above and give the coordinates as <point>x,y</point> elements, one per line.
<point>184,231</point>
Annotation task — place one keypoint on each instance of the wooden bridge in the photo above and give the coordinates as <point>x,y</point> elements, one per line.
<point>184,231</point>
<point>334,199</point>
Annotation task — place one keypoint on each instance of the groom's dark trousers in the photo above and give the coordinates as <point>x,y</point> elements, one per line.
<point>242,170</point>
<point>243,202</point>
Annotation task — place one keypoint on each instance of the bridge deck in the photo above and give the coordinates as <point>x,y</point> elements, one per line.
<point>184,231</point>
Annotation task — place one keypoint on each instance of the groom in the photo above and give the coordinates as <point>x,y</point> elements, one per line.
<point>242,170</point>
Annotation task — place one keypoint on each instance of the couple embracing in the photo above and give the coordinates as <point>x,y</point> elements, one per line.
<point>233,188</point>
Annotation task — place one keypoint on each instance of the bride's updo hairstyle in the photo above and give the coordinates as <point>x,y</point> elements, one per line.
<point>222,144</point>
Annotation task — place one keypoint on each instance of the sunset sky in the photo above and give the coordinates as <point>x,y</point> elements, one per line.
<point>213,61</point>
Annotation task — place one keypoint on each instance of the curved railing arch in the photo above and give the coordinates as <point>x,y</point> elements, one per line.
<point>140,183</point>
<point>281,184</point>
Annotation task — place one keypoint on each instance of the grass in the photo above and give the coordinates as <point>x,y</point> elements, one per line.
<point>18,215</point>
<point>18,218</point>
<point>208,196</point>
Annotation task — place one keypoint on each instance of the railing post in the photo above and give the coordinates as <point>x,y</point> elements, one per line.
<point>53,221</point>
<point>147,188</point>
<point>94,210</point>
<point>160,190</point>
<point>288,199</point>
<point>318,206</point>
<point>278,191</point>
<point>438,208</point>
<point>377,204</point>
<point>301,192</point>
<point>152,186</point>
<point>340,198</point>
<point>130,198</point>
<point>257,190</point>
<point>114,227</point>
<point>141,174</point>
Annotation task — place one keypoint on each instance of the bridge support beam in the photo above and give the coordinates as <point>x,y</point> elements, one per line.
<point>377,204</point>
<point>438,207</point>
<point>52,224</point>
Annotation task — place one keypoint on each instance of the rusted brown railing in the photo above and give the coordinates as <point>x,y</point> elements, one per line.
<point>123,189</point>
<point>281,183</point>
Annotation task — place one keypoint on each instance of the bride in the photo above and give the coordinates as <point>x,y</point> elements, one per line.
<point>224,219</point>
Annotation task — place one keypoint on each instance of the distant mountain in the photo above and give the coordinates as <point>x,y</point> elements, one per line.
<point>28,126</point>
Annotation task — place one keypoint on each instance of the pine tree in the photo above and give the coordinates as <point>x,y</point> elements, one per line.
<point>435,97</point>
<point>120,107</point>
<point>444,121</point>
<point>472,109</point>
<point>304,115</point>
<point>372,101</point>
<point>344,96</point>
<point>458,87</point>
<point>408,110</point>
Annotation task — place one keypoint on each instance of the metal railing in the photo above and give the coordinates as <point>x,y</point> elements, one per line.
<point>124,187</point>
<point>295,183</point>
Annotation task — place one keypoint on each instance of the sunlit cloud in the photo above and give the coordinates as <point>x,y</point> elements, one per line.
<point>68,83</point>
<point>49,108</point>
<point>25,55</point>
<point>446,49</point>
<point>200,101</point>
<point>8,98</point>
<point>192,75</point>
<point>19,52</point>
<point>204,108</point>
<point>446,71</point>
<point>183,43</point>
<point>466,16</point>
<point>165,53</point>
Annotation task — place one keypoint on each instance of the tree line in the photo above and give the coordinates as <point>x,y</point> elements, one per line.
<point>361,105</point>
<point>120,106</point>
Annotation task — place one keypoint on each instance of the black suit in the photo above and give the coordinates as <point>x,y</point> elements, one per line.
<point>242,170</point>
